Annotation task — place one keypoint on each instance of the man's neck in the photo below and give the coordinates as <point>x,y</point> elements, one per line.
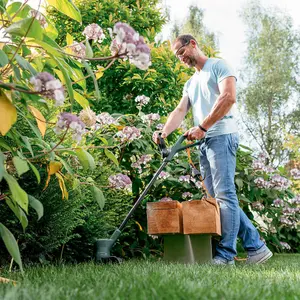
<point>200,63</point>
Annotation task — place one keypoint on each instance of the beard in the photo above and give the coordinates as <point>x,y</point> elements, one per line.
<point>191,62</point>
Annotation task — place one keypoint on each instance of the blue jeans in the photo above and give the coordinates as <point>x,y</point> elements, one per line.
<point>217,166</point>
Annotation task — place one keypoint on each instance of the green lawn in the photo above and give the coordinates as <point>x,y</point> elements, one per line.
<point>279,278</point>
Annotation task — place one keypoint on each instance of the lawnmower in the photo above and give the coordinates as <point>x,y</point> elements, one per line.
<point>104,246</point>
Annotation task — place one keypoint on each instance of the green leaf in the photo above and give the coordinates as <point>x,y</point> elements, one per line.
<point>84,103</point>
<point>36,172</point>
<point>50,49</point>
<point>18,212</point>
<point>111,156</point>
<point>5,146</point>
<point>67,79</point>
<point>27,143</point>
<point>3,58</point>
<point>66,7</point>
<point>239,182</point>
<point>86,159</point>
<point>18,194</point>
<point>88,49</point>
<point>11,245</point>
<point>21,165</point>
<point>51,30</point>
<point>25,65</point>
<point>20,28</point>
<point>98,196</point>
<point>69,39</point>
<point>91,73</point>
<point>36,205</point>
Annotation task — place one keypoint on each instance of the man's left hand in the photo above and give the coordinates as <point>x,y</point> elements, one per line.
<point>195,133</point>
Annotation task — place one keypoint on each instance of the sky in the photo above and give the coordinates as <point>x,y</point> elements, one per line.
<point>222,17</point>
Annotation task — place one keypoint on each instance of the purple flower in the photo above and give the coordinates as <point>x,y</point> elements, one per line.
<point>295,173</point>
<point>278,203</point>
<point>142,100</point>
<point>49,87</point>
<point>261,183</point>
<point>280,183</point>
<point>94,32</point>
<point>257,206</point>
<point>185,178</point>
<point>285,245</point>
<point>131,44</point>
<point>68,120</point>
<point>150,118</point>
<point>128,134</point>
<point>106,119</point>
<point>165,199</point>
<point>78,49</point>
<point>257,165</point>
<point>143,160</point>
<point>159,126</point>
<point>163,175</point>
<point>186,195</point>
<point>120,182</point>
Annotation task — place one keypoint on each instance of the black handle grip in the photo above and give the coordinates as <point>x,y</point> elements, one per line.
<point>162,146</point>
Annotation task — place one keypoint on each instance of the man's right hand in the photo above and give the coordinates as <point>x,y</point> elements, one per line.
<point>155,136</point>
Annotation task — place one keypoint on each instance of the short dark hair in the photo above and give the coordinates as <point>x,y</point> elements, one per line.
<point>185,39</point>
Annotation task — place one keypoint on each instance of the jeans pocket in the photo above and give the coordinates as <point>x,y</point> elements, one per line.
<point>234,142</point>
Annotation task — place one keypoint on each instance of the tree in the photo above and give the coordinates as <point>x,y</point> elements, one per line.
<point>271,78</point>
<point>194,25</point>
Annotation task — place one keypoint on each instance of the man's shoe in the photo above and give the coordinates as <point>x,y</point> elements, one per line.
<point>260,256</point>
<point>220,261</point>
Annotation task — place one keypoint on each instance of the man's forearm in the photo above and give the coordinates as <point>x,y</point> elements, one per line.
<point>220,109</point>
<point>174,120</point>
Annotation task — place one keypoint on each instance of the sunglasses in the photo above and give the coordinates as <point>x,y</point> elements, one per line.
<point>180,51</point>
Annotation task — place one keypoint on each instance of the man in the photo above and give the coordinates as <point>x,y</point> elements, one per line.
<point>211,93</point>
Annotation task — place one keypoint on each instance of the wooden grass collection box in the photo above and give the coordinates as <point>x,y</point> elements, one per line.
<point>201,217</point>
<point>164,217</point>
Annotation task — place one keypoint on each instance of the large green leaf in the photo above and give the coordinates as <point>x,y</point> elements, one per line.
<point>88,49</point>
<point>18,194</point>
<point>11,245</point>
<point>18,212</point>
<point>66,7</point>
<point>23,63</point>
<point>21,165</point>
<point>111,156</point>
<point>20,28</point>
<point>36,205</point>
<point>15,7</point>
<point>3,58</point>
<point>36,172</point>
<point>84,103</point>
<point>86,159</point>
<point>98,196</point>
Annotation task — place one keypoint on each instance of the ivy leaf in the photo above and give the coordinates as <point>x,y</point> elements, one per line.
<point>11,245</point>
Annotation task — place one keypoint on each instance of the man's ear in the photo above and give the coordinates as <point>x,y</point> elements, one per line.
<point>193,43</point>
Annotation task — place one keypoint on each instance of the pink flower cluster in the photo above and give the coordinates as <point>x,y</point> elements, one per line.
<point>257,206</point>
<point>277,182</point>
<point>166,199</point>
<point>94,32</point>
<point>132,45</point>
<point>106,119</point>
<point>150,118</point>
<point>187,195</point>
<point>163,175</point>
<point>160,126</point>
<point>120,182</point>
<point>143,160</point>
<point>278,203</point>
<point>49,87</point>
<point>142,100</point>
<point>295,173</point>
<point>189,179</point>
<point>285,245</point>
<point>78,49</point>
<point>128,134</point>
<point>68,120</point>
